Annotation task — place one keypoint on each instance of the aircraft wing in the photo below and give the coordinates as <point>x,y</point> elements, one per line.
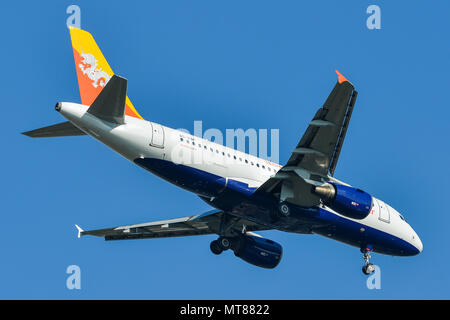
<point>316,154</point>
<point>210,222</point>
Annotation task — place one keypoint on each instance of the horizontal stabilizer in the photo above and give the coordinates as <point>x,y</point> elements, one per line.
<point>64,129</point>
<point>110,103</point>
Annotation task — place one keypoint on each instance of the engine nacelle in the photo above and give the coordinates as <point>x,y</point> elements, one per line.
<point>348,201</point>
<point>258,251</point>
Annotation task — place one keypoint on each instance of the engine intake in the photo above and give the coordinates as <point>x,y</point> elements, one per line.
<point>348,201</point>
<point>258,251</point>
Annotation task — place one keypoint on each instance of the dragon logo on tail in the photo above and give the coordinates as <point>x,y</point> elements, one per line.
<point>89,67</point>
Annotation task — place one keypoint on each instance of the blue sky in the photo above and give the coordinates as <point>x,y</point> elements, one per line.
<point>233,64</point>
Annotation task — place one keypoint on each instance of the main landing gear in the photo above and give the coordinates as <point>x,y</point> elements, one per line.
<point>220,245</point>
<point>283,209</point>
<point>223,243</point>
<point>368,267</point>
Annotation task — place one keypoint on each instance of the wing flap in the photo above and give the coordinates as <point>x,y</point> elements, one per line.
<point>337,150</point>
<point>202,224</point>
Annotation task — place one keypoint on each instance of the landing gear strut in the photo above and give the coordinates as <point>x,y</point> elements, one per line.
<point>368,267</point>
<point>223,243</point>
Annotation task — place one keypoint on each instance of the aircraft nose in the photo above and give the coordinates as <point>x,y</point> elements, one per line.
<point>417,242</point>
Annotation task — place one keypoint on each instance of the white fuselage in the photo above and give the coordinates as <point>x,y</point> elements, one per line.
<point>139,138</point>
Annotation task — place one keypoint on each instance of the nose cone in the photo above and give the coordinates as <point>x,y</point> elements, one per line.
<point>418,243</point>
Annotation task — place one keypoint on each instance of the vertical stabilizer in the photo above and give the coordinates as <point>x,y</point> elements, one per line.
<point>93,71</point>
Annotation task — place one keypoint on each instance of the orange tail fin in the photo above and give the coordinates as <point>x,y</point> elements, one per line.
<point>93,71</point>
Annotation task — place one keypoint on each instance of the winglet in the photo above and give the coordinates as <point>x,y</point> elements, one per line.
<point>341,78</point>
<point>79,230</point>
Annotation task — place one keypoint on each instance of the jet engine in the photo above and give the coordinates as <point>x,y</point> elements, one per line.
<point>258,251</point>
<point>348,201</point>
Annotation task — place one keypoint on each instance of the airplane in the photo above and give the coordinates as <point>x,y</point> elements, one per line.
<point>247,194</point>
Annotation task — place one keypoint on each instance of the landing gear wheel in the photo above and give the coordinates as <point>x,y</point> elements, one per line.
<point>215,247</point>
<point>284,209</point>
<point>224,243</point>
<point>368,269</point>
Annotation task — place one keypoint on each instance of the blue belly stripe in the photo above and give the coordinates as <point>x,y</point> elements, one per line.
<point>341,229</point>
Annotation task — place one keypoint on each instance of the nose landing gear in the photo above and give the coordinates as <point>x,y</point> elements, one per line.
<point>368,267</point>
